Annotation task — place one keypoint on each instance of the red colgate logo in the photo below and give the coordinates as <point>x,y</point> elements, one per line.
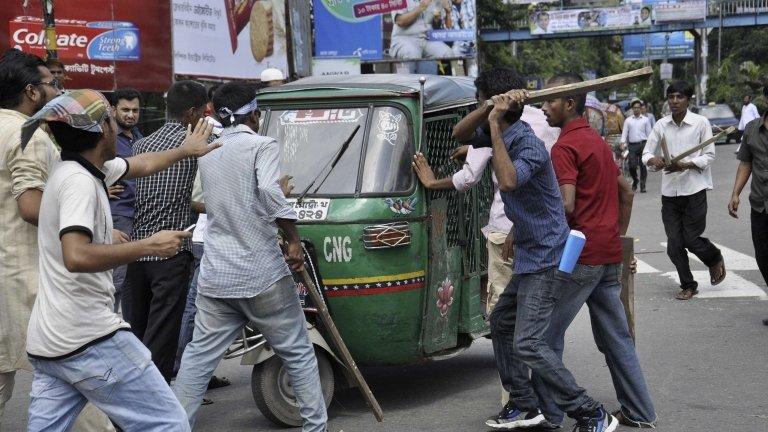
<point>24,36</point>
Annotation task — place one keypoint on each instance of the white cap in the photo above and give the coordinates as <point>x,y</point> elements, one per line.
<point>271,74</point>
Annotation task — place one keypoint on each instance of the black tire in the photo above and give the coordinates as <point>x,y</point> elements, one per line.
<point>268,385</point>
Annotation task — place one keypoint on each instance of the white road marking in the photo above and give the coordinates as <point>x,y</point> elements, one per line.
<point>644,267</point>
<point>733,286</point>
<point>734,260</point>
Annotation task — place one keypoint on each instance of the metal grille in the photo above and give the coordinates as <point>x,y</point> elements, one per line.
<point>467,212</point>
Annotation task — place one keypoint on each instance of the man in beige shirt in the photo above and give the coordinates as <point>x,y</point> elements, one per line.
<point>26,85</point>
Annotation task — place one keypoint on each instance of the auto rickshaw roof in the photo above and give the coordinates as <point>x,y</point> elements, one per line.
<point>440,92</point>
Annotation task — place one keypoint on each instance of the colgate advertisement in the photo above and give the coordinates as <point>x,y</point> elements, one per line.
<point>80,40</point>
<point>103,44</point>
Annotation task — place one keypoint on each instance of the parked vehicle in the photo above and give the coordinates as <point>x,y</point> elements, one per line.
<point>400,268</point>
<point>721,117</point>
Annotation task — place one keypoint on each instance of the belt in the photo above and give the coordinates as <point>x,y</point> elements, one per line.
<point>638,142</point>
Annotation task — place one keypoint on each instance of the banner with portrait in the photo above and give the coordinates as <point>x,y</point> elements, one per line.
<point>544,21</point>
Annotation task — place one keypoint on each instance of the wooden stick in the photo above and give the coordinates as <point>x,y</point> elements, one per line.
<point>587,86</point>
<point>346,356</point>
<point>628,282</point>
<point>665,150</point>
<point>693,150</point>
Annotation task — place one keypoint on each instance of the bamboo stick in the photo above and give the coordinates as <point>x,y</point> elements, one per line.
<point>693,150</point>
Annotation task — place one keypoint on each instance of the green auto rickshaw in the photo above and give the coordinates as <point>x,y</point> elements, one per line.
<point>401,269</point>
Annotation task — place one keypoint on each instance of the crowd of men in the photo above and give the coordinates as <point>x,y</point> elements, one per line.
<point>84,193</point>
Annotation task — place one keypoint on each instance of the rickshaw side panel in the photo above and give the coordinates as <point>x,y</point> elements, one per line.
<point>441,314</point>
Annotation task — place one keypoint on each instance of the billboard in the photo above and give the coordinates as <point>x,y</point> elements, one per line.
<point>441,29</point>
<point>103,44</point>
<point>592,19</point>
<point>653,46</point>
<point>678,10</point>
<point>235,39</point>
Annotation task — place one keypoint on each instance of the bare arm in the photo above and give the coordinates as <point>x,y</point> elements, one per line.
<point>407,19</point>
<point>29,205</point>
<point>568,191</point>
<point>82,256</point>
<point>294,255</point>
<point>466,127</point>
<point>626,196</point>
<point>742,176</point>
<point>195,145</point>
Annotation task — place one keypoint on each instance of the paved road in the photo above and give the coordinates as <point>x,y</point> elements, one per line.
<point>705,359</point>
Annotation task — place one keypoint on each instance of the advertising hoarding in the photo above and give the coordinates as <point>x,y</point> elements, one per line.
<point>445,29</point>
<point>103,44</point>
<point>593,19</point>
<point>228,38</point>
<point>652,46</point>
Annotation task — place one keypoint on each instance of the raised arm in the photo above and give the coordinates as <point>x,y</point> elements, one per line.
<point>407,19</point>
<point>195,145</point>
<point>466,127</point>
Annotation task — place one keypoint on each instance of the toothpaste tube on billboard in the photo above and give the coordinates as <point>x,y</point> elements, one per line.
<point>79,40</point>
<point>238,16</point>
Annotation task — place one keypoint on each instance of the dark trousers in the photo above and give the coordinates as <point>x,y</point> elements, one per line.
<point>685,218</point>
<point>635,160</point>
<point>158,291</point>
<point>124,224</point>
<point>760,240</point>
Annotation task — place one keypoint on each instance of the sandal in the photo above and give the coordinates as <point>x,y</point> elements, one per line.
<point>217,382</point>
<point>718,268</point>
<point>686,294</point>
<point>206,401</point>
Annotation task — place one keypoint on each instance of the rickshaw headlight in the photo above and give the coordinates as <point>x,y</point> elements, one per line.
<point>388,235</point>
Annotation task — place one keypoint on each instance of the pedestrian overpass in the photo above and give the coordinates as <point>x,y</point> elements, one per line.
<point>720,14</point>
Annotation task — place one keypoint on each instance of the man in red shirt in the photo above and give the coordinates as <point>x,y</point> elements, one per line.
<point>598,202</point>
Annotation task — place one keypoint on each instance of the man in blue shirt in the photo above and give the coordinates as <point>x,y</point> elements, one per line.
<point>122,195</point>
<point>532,200</point>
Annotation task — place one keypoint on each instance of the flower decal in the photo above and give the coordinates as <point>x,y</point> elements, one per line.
<point>401,206</point>
<point>445,297</point>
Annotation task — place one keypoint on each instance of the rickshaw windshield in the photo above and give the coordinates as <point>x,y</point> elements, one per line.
<point>310,139</point>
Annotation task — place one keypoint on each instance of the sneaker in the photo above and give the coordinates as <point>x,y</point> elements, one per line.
<point>626,421</point>
<point>511,418</point>
<point>602,422</point>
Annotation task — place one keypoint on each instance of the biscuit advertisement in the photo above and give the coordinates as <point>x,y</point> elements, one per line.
<point>103,44</point>
<point>234,39</point>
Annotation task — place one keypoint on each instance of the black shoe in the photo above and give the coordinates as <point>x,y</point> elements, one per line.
<point>634,186</point>
<point>765,322</point>
<point>642,187</point>
<point>626,421</point>
<point>217,382</point>
<point>600,422</point>
<point>511,418</point>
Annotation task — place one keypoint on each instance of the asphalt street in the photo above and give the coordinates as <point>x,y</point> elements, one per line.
<point>705,360</point>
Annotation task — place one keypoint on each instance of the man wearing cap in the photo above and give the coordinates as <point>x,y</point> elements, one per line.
<point>233,291</point>
<point>76,343</point>
<point>272,77</point>
<point>634,134</point>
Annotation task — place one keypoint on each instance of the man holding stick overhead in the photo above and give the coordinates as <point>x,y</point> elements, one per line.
<point>684,186</point>
<point>520,319</point>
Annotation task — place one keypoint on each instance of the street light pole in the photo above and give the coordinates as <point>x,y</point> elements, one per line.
<point>50,29</point>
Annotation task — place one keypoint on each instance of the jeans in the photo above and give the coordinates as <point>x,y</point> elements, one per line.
<point>117,376</point>
<point>519,323</point>
<point>759,221</point>
<point>685,218</point>
<point>124,224</point>
<point>278,315</point>
<point>601,288</point>
<point>188,319</point>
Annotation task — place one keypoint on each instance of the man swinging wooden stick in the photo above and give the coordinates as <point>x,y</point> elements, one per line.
<point>684,185</point>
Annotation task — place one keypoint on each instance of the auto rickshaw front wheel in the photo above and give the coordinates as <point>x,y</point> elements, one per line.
<point>273,392</point>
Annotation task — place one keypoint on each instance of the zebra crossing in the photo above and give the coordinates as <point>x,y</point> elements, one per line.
<point>734,285</point>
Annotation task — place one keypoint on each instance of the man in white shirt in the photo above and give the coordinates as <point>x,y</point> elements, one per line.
<point>77,344</point>
<point>634,134</point>
<point>410,27</point>
<point>684,186</point>
<point>748,113</point>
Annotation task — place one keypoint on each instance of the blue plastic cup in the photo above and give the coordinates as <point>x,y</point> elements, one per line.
<point>572,251</point>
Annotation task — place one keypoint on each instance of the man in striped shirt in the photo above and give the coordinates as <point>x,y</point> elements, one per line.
<point>243,273</point>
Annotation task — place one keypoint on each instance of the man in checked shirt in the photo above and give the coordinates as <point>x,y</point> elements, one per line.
<point>157,287</point>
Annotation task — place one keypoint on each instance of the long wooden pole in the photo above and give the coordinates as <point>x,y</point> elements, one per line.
<point>574,89</point>
<point>702,145</point>
<point>341,347</point>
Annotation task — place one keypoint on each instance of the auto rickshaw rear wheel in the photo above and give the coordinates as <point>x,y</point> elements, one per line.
<point>273,392</point>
